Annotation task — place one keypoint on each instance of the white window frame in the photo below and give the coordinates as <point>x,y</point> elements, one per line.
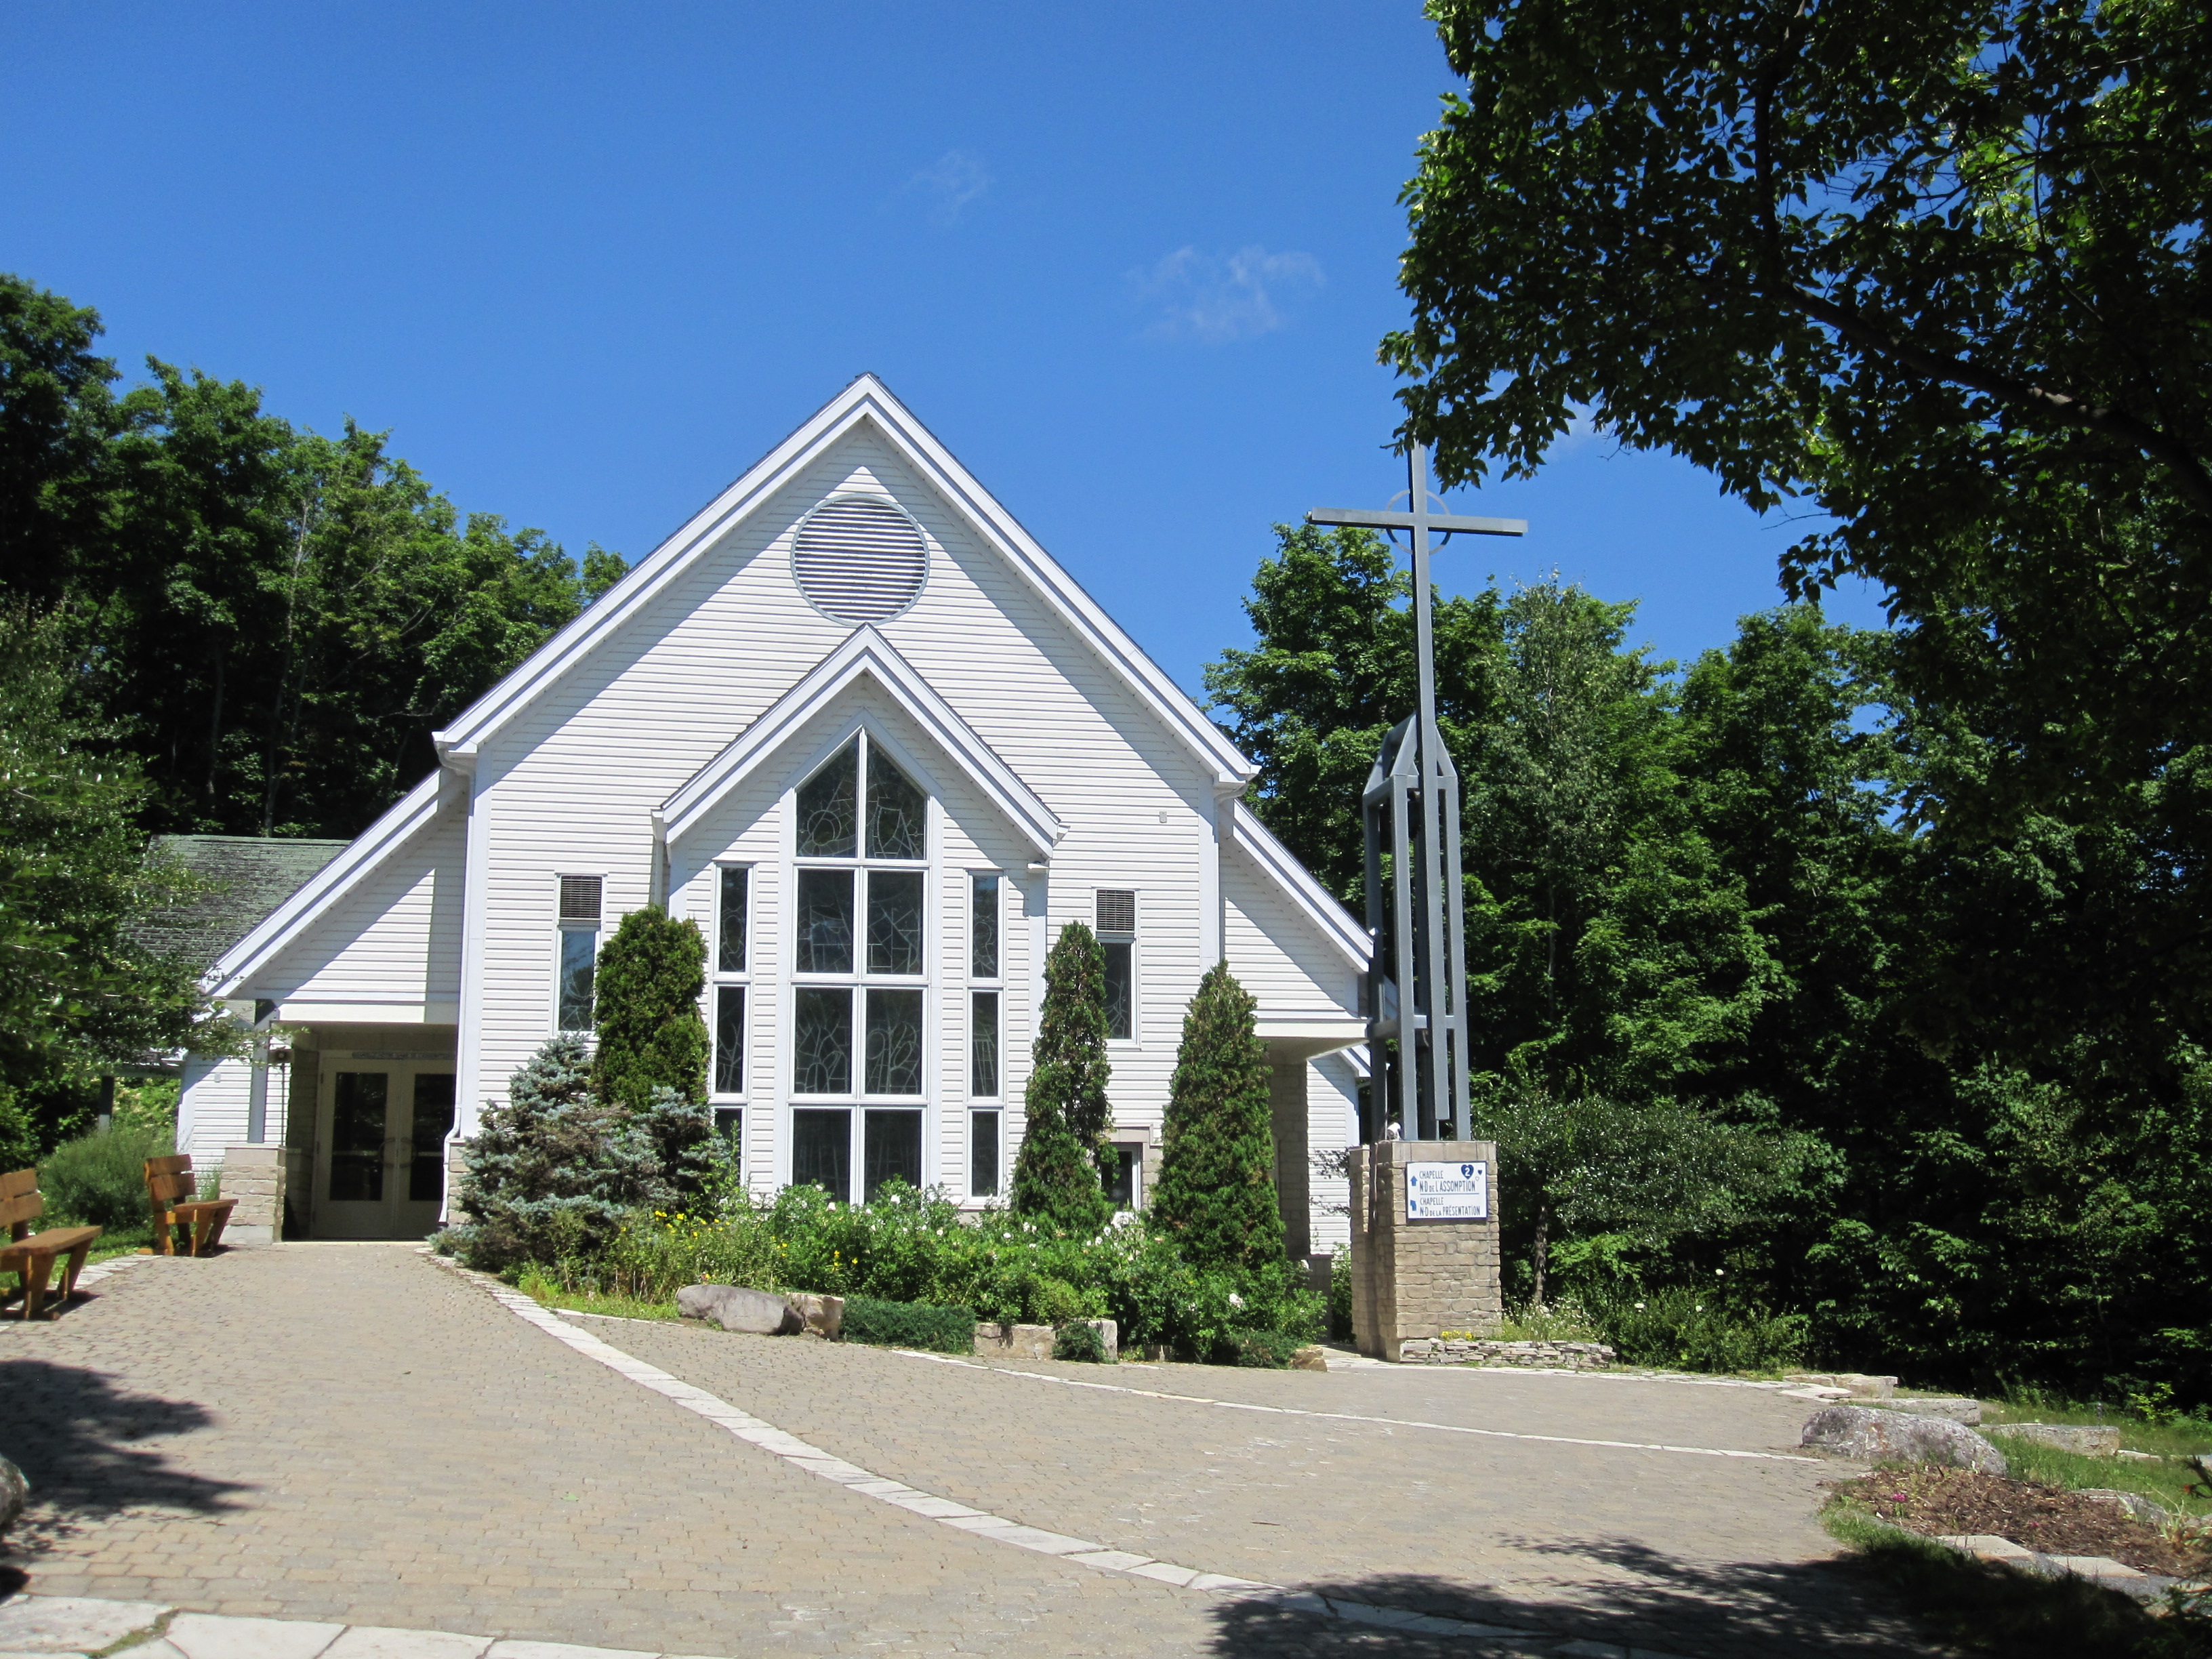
<point>993,1106</point>
<point>1132,939</point>
<point>741,979</point>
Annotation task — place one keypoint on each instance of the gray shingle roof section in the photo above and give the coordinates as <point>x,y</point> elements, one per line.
<point>252,874</point>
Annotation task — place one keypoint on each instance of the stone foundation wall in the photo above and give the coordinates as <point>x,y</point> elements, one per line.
<point>1533,1356</point>
<point>254,1176</point>
<point>1417,1280</point>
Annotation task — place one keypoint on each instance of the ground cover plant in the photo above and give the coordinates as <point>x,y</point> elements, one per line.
<point>908,1325</point>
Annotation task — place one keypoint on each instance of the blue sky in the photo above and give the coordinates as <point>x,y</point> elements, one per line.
<point>587,263</point>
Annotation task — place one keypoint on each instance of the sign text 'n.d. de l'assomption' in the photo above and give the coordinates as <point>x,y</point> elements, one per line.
<point>1448,1192</point>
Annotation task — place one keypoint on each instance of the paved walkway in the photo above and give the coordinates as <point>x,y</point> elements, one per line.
<point>352,1434</point>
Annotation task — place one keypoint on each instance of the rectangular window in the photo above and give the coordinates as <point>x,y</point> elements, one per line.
<point>434,1121</point>
<point>983,1044</point>
<point>983,1154</point>
<point>357,1137</point>
<point>580,952</point>
<point>894,1149</point>
<point>822,1040</point>
<point>1124,1175</point>
<point>730,918</point>
<point>729,1039</point>
<point>983,925</point>
<point>894,1050</point>
<point>825,922</point>
<point>895,921</point>
<point>822,1151</point>
<point>730,1125</point>
<point>1116,917</point>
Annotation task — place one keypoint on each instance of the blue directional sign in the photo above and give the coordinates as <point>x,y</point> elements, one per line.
<point>1448,1192</point>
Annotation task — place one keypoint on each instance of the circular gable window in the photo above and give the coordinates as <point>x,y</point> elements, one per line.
<point>859,559</point>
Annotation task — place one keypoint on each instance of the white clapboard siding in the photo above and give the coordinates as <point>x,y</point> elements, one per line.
<point>1332,1124</point>
<point>212,1107</point>
<point>1275,950</point>
<point>391,942</point>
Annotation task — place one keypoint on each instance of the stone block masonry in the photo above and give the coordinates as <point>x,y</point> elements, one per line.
<point>254,1176</point>
<point>1415,1279</point>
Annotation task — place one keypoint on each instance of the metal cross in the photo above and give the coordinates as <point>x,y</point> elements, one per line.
<point>1417,965</point>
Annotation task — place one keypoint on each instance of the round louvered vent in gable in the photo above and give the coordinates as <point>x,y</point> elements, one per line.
<point>859,559</point>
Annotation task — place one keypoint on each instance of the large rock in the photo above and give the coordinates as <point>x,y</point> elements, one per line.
<point>1968,1412</point>
<point>2093,1439</point>
<point>1892,1436</point>
<point>735,1308</point>
<point>15,1492</point>
<point>1857,1384</point>
<point>998,1341</point>
<point>824,1315</point>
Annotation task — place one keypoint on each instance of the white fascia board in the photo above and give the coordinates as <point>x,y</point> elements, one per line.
<point>865,399</point>
<point>1342,928</point>
<point>867,654</point>
<point>415,810</point>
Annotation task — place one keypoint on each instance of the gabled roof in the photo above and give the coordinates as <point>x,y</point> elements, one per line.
<point>1340,927</point>
<point>414,812</point>
<point>868,401</point>
<point>249,876</point>
<point>865,655</point>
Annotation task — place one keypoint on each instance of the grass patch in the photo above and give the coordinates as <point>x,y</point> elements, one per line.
<point>2171,1437</point>
<point>1986,1608</point>
<point>539,1288</point>
<point>2079,1470</point>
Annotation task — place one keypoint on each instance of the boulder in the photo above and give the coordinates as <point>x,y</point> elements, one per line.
<point>15,1492</point>
<point>2093,1439</point>
<point>735,1308</point>
<point>2133,1505</point>
<point>1968,1412</point>
<point>1890,1436</point>
<point>1312,1358</point>
<point>1856,1384</point>
<point>825,1314</point>
<point>997,1341</point>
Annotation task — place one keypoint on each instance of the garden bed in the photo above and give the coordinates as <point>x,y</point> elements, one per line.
<point>1940,1502</point>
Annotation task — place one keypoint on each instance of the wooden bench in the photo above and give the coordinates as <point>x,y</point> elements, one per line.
<point>31,1256</point>
<point>170,1186</point>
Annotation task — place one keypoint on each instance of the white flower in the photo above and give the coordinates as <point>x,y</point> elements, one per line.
<point>1639,1307</point>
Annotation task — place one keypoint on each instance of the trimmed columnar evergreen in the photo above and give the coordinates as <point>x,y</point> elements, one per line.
<point>1217,1187</point>
<point>1056,1175</point>
<point>651,1034</point>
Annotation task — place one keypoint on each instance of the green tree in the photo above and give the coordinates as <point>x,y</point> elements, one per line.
<point>1067,1113</point>
<point>82,992</point>
<point>1216,1193</point>
<point>645,1012</point>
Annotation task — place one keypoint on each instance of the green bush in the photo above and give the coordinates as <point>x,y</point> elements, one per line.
<point>909,1325</point>
<point>1082,1342</point>
<point>1340,1297</point>
<point>1216,1186</point>
<point>100,1181</point>
<point>1697,1330</point>
<point>1265,1350</point>
<point>1056,1171</point>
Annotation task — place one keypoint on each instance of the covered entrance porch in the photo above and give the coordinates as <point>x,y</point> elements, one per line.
<point>367,1121</point>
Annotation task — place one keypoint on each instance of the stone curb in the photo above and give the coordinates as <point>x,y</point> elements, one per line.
<point>945,1511</point>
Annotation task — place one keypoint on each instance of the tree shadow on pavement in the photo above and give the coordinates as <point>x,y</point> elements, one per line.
<point>1697,1610</point>
<point>86,1447</point>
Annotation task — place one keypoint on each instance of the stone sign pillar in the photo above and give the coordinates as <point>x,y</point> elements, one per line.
<point>254,1176</point>
<point>1424,1242</point>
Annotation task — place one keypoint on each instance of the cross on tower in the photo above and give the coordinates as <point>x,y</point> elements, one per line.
<point>1417,964</point>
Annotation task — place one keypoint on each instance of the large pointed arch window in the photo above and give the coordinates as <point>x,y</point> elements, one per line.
<point>860,970</point>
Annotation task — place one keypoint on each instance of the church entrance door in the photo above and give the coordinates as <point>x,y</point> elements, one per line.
<point>381,1174</point>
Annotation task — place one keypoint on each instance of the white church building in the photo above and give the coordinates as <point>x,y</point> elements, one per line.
<point>859,726</point>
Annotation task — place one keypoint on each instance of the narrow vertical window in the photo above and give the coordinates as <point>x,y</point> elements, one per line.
<point>983,1154</point>
<point>729,1039</point>
<point>730,918</point>
<point>577,963</point>
<point>983,1044</point>
<point>983,925</point>
<point>1116,916</point>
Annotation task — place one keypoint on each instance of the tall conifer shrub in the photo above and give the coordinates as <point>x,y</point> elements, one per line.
<point>1057,1173</point>
<point>1216,1186</point>
<point>651,1034</point>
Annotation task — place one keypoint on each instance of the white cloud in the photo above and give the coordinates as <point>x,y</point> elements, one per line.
<point>1215,299</point>
<point>949,183</point>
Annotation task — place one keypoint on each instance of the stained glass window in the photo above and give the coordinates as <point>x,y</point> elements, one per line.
<point>822,1151</point>
<point>580,949</point>
<point>894,1149</point>
<point>1121,989</point>
<point>895,921</point>
<point>983,1044</point>
<point>729,1039</point>
<point>822,1040</point>
<point>894,1050</point>
<point>736,885</point>
<point>898,812</point>
<point>825,923</point>
<point>983,1154</point>
<point>983,925</point>
<point>828,807</point>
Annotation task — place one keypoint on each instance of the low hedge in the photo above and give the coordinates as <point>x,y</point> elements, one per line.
<point>1081,1342</point>
<point>1267,1349</point>
<point>909,1325</point>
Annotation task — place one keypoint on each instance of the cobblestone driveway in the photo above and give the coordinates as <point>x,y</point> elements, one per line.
<point>350,1432</point>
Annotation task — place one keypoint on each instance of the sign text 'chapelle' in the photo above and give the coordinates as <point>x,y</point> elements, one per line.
<point>1448,1192</point>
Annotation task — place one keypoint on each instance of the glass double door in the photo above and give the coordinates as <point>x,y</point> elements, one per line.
<point>384,1174</point>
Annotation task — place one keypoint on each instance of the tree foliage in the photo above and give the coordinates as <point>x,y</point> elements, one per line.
<point>645,995</point>
<point>1216,1193</point>
<point>1067,1113</point>
<point>274,622</point>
